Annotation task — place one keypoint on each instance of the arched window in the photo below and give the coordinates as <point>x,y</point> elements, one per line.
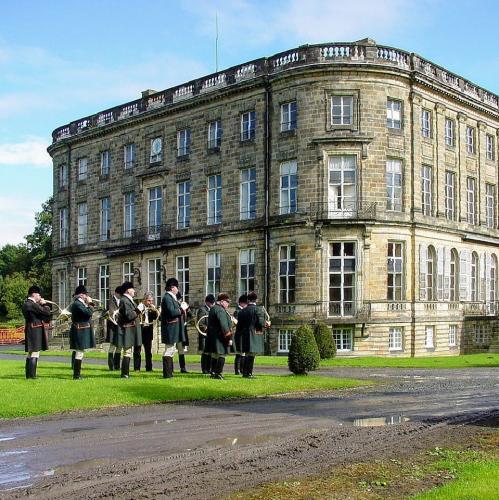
<point>431,264</point>
<point>474,277</point>
<point>493,279</point>
<point>454,276</point>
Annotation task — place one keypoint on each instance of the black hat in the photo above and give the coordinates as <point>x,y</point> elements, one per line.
<point>252,296</point>
<point>34,289</point>
<point>80,289</point>
<point>119,290</point>
<point>210,298</point>
<point>126,286</point>
<point>171,282</point>
<point>242,299</point>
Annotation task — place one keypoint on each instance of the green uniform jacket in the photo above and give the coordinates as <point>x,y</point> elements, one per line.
<point>236,345</point>
<point>111,328</point>
<point>171,324</point>
<point>130,333</point>
<point>250,325</point>
<point>81,335</point>
<point>219,323</point>
<point>35,328</point>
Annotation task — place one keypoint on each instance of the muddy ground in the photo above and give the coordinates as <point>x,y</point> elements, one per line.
<point>208,450</point>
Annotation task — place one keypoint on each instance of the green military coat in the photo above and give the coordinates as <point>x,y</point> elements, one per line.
<point>172,330</point>
<point>81,335</point>
<point>36,326</point>
<point>236,345</point>
<point>130,333</point>
<point>249,331</point>
<point>219,323</point>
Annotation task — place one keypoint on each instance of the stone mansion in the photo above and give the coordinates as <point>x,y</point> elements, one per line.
<point>347,183</point>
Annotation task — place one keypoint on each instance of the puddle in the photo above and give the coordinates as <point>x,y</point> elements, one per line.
<point>240,440</point>
<point>380,421</point>
<point>78,429</point>
<point>13,470</point>
<point>6,438</point>
<point>153,422</point>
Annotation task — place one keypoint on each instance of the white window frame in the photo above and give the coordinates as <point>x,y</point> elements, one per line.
<point>395,269</point>
<point>62,286</point>
<point>471,214</point>
<point>480,336</point>
<point>214,199</point>
<point>104,284</point>
<point>63,176</point>
<point>215,134</point>
<point>288,116</point>
<point>454,276</point>
<point>426,123</point>
<point>156,154</point>
<point>342,110</point>
<point>470,140</point>
<point>129,155</point>
<point>82,223</point>
<point>394,114</point>
<point>154,278</point>
<point>348,279</point>
<point>490,205</point>
<point>248,126</point>
<point>247,194</point>
<point>287,274</point>
<point>105,219</point>
<point>128,271</point>
<point>154,212</point>
<point>82,168</point>
<point>450,195</point>
<point>128,214</point>
<point>490,147</point>
<point>343,338</point>
<point>431,273</point>
<point>105,162</point>
<point>183,142</point>
<point>183,275</point>
<point>474,277</point>
<point>63,228</point>
<point>342,186</point>
<point>395,338</point>
<point>213,273</point>
<point>284,340</point>
<point>450,128</point>
<point>426,190</point>
<point>492,298</point>
<point>394,185</point>
<point>183,204</point>
<point>246,270</point>
<point>429,337</point>
<point>288,192</point>
<point>81,276</point>
<point>452,335</point>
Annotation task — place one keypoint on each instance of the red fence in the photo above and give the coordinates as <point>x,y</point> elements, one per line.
<point>12,335</point>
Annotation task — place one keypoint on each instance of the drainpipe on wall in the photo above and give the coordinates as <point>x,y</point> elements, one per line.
<point>266,184</point>
<point>415,258</point>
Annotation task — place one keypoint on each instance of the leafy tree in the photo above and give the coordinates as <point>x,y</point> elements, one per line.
<point>324,339</point>
<point>13,258</point>
<point>303,352</point>
<point>13,293</point>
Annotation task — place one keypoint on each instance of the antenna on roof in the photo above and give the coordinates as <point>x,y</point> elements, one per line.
<point>216,42</point>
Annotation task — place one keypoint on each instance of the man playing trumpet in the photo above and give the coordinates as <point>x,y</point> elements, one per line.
<point>148,314</point>
<point>112,329</point>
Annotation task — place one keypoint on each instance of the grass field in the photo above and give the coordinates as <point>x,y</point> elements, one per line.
<point>55,391</point>
<point>463,361</point>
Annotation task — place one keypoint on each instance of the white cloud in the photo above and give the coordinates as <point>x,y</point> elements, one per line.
<point>31,152</point>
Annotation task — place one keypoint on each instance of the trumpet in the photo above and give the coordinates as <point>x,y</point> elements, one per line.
<point>91,302</point>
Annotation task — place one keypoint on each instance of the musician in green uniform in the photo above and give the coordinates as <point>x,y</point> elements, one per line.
<point>242,302</point>
<point>81,335</point>
<point>219,335</point>
<point>130,333</point>
<point>112,330</point>
<point>202,322</point>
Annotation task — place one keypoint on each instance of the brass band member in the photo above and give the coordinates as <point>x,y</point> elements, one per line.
<point>81,335</point>
<point>203,312</point>
<point>172,335</point>
<point>148,314</point>
<point>113,355</point>
<point>36,312</point>
<point>242,302</point>
<point>250,327</point>
<point>186,316</point>
<point>130,333</point>
<point>219,335</point>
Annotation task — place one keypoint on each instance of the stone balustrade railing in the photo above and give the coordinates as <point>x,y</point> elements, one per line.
<point>362,53</point>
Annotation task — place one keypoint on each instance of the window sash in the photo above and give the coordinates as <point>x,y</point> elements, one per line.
<point>63,228</point>
<point>342,278</point>
<point>490,205</point>
<point>105,219</point>
<point>426,190</point>
<point>247,202</point>
<point>82,223</point>
<point>450,195</point>
<point>449,132</point>
<point>426,123</point>
<point>248,122</point>
<point>395,336</point>
<point>288,188</point>
<point>341,110</point>
<point>214,134</point>
<point>62,286</point>
<point>470,140</point>
<point>343,339</point>
<point>394,185</point>
<point>395,271</point>
<point>393,114</point>
<point>429,341</point>
<point>63,176</point>
<point>129,155</point>
<point>82,169</point>
<point>154,279</point>
<point>183,142</point>
<point>246,270</point>
<point>213,273</point>
<point>287,270</point>
<point>81,276</point>
<point>105,162</point>
<point>288,116</point>
<point>214,199</point>
<point>284,342</point>
<point>471,200</point>
<point>128,271</point>
<point>452,335</point>
<point>104,284</point>
<point>183,276</point>
<point>156,156</point>
<point>129,214</point>
<point>183,204</point>
<point>155,207</point>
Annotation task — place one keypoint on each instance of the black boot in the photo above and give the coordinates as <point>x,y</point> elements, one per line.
<point>167,367</point>
<point>117,360</point>
<point>137,360</point>
<point>32,367</point>
<point>181,362</point>
<point>110,361</point>
<point>213,366</point>
<point>219,369</point>
<point>27,368</point>
<point>205,363</point>
<point>248,366</point>
<point>73,356</point>
<point>237,364</point>
<point>125,367</point>
<point>77,370</point>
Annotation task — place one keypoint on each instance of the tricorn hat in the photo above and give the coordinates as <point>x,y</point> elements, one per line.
<point>170,282</point>
<point>34,289</point>
<point>80,289</point>
<point>126,286</point>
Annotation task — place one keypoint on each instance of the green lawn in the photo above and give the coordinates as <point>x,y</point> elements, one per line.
<point>463,361</point>
<point>54,390</point>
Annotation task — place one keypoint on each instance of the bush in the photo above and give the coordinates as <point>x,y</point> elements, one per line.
<point>325,343</point>
<point>303,353</point>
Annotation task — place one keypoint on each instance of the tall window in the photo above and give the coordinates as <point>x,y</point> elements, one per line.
<point>62,286</point>
<point>215,199</point>
<point>246,270</point>
<point>450,132</point>
<point>284,343</point>
<point>155,207</point>
<point>105,219</point>
<point>471,200</point>
<point>470,140</point>
<point>490,205</point>
<point>426,188</point>
<point>213,273</point>
<point>63,176</point>
<point>128,271</point>
<point>183,142</point>
<point>395,266</point>
<point>474,276</point>
<point>82,223</point>
<point>129,214</point>
<point>288,188</point>
<point>287,273</point>
<point>214,134</point>
<point>82,168</point>
<point>395,339</point>
<point>129,155</point>
<point>342,185</point>
<point>394,185</point>
<point>183,204</point>
<point>343,339</point>
<point>288,116</point>
<point>183,277</point>
<point>393,114</point>
<point>104,284</point>
<point>480,336</point>
<point>493,280</point>
<point>247,193</point>
<point>154,278</point>
<point>248,126</point>
<point>156,150</point>
<point>63,228</point>
<point>450,195</point>
<point>105,163</point>
<point>426,123</point>
<point>431,272</point>
<point>342,268</point>
<point>452,335</point>
<point>454,276</point>
<point>81,278</point>
<point>341,110</point>
<point>429,337</point>
<point>490,145</point>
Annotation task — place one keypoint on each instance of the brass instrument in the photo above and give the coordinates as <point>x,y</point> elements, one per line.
<point>151,307</point>
<point>267,317</point>
<point>64,315</point>
<point>52,310</point>
<point>91,302</point>
<point>196,324</point>
<point>112,317</point>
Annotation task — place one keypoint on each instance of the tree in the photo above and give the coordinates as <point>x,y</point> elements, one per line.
<point>324,339</point>
<point>13,293</point>
<point>303,352</point>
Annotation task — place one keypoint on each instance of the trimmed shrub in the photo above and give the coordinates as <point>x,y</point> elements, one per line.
<point>303,354</point>
<point>325,343</point>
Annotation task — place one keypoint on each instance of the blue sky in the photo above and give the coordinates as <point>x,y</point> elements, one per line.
<point>63,60</point>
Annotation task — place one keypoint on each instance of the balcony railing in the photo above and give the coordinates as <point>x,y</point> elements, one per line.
<point>343,210</point>
<point>480,308</point>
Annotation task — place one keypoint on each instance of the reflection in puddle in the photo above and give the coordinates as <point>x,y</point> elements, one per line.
<point>78,429</point>
<point>13,470</point>
<point>380,421</point>
<point>153,422</point>
<point>6,438</point>
<point>240,440</point>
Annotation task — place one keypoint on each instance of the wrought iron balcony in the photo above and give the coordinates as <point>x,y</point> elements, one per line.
<point>343,210</point>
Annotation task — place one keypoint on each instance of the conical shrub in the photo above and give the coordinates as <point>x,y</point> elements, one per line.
<point>303,354</point>
<point>325,343</point>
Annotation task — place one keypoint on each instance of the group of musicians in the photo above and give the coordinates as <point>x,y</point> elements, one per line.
<point>130,327</point>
